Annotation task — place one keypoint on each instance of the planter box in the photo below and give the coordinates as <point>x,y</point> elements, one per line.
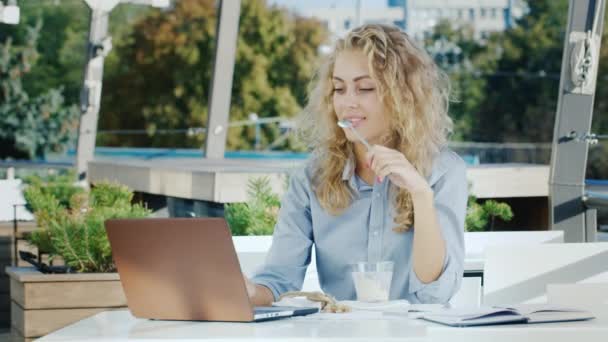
<point>6,259</point>
<point>42,303</point>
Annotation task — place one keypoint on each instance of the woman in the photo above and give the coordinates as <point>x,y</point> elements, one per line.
<point>403,199</point>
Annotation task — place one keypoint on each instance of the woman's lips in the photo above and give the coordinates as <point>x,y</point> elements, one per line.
<point>356,121</point>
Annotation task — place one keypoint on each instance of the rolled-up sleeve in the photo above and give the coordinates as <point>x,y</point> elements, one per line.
<point>450,200</point>
<point>289,255</point>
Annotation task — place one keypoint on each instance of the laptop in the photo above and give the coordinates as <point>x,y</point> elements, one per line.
<point>184,269</point>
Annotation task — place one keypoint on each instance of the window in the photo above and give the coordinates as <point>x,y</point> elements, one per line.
<point>471,13</point>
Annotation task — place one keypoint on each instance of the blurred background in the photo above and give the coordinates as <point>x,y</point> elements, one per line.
<point>503,57</point>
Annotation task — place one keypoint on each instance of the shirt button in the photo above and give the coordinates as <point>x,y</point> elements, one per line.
<point>377,195</point>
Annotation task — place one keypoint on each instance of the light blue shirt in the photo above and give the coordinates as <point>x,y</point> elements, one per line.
<point>364,231</point>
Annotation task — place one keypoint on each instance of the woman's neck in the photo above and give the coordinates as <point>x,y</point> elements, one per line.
<point>362,169</point>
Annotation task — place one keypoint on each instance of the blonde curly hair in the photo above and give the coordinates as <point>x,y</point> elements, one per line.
<point>413,90</point>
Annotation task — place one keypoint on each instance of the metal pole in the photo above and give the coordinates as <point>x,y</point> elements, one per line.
<point>221,82</point>
<point>591,225</point>
<point>573,118</point>
<point>90,96</point>
<point>14,242</point>
<point>98,47</point>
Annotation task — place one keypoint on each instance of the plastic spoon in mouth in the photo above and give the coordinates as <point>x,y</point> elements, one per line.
<point>347,124</point>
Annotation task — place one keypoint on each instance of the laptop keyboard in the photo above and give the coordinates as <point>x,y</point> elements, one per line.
<point>266,309</point>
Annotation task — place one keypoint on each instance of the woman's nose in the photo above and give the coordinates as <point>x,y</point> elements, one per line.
<point>351,99</point>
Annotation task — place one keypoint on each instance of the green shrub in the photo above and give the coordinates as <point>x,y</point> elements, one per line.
<point>481,217</point>
<point>258,215</point>
<point>60,186</point>
<point>75,230</point>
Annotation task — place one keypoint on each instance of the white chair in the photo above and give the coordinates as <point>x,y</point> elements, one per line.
<point>579,295</point>
<point>251,251</point>
<point>12,194</point>
<point>520,274</point>
<point>476,243</point>
<point>469,294</point>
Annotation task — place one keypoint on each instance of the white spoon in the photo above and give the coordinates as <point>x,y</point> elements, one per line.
<point>347,124</point>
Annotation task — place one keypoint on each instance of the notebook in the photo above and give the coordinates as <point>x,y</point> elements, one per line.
<point>522,313</point>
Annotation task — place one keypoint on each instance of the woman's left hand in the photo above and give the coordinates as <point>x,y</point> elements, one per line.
<point>386,162</point>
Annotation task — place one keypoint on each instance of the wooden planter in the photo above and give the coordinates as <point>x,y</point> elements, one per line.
<point>42,303</point>
<point>6,259</point>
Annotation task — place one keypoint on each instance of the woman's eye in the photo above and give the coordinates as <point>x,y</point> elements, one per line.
<point>338,90</point>
<point>366,89</point>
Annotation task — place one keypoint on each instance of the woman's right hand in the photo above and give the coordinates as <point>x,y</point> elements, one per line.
<point>258,295</point>
<point>251,288</point>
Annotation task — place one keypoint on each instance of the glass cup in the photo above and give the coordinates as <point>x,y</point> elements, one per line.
<point>373,280</point>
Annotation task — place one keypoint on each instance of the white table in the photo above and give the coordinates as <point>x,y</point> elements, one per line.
<point>122,326</point>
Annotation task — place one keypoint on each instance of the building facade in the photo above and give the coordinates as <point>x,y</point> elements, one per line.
<point>419,17</point>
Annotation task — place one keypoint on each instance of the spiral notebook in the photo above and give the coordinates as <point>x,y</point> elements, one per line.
<point>522,313</point>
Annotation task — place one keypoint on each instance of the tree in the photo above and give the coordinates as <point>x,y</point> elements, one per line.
<point>521,97</point>
<point>62,42</point>
<point>47,62</point>
<point>521,105</point>
<point>466,61</point>
<point>61,46</point>
<point>30,127</point>
<point>166,65</point>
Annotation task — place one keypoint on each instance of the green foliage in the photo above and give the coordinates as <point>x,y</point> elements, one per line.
<point>75,231</point>
<point>58,186</point>
<point>465,59</point>
<point>258,215</point>
<point>61,45</point>
<point>480,215</point>
<point>166,64</point>
<point>30,127</point>
<point>63,40</point>
<point>524,102</point>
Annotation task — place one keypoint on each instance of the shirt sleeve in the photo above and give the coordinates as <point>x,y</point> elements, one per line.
<point>289,255</point>
<point>450,200</point>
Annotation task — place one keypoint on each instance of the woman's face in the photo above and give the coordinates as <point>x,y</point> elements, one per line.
<point>355,97</point>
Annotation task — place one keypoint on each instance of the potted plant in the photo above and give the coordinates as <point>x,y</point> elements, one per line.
<point>258,215</point>
<point>482,216</point>
<point>71,231</point>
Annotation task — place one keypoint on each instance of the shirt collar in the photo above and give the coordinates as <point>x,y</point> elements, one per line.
<point>348,174</point>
